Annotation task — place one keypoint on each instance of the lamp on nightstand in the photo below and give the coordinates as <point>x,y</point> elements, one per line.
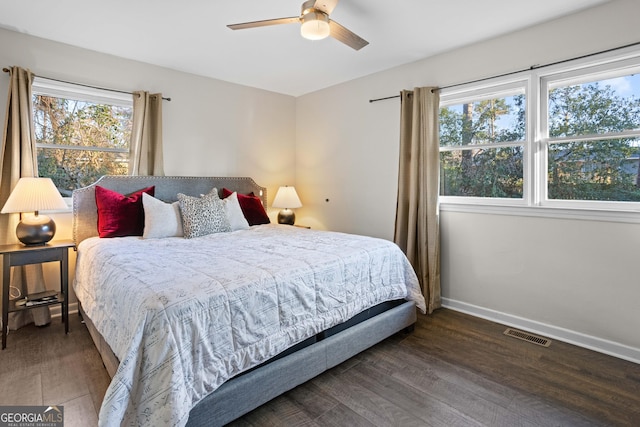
<point>286,199</point>
<point>34,195</point>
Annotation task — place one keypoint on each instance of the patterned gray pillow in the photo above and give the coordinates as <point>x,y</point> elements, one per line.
<point>203,215</point>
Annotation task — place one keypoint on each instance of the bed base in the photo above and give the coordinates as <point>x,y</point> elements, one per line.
<point>256,387</point>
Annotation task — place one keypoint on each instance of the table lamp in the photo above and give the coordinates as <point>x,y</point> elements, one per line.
<point>34,195</point>
<point>286,199</point>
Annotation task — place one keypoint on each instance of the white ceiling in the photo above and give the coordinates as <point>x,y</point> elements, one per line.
<point>191,35</point>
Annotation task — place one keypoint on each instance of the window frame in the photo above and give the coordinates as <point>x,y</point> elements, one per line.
<point>494,89</point>
<point>586,74</point>
<point>54,88</point>
<point>535,200</point>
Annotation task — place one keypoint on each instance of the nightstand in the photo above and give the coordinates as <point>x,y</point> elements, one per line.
<point>19,254</point>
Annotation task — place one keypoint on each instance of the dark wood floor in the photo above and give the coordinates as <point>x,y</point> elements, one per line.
<point>452,370</point>
<point>43,366</point>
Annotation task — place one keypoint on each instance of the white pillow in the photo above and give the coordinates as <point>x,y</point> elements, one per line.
<point>161,219</point>
<point>234,213</point>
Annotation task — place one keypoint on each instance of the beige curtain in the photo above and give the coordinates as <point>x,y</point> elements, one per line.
<point>19,159</point>
<point>417,229</point>
<point>146,135</point>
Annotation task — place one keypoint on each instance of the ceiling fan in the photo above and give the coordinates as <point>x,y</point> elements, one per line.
<point>315,24</point>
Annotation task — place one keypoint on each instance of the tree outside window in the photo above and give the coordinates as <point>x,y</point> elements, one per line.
<point>482,148</point>
<point>587,148</point>
<point>587,157</point>
<point>79,140</point>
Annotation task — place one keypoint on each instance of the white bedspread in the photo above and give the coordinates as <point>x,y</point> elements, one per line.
<point>185,315</point>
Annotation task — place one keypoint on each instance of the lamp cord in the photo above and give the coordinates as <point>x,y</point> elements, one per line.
<point>13,295</point>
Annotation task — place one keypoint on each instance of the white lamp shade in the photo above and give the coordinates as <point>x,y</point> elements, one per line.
<point>287,198</point>
<point>315,26</point>
<point>32,195</point>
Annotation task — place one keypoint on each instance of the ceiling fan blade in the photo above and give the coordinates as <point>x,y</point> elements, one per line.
<point>326,6</point>
<point>264,23</point>
<point>347,37</point>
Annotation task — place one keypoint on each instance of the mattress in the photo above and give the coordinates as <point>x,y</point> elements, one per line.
<point>185,315</point>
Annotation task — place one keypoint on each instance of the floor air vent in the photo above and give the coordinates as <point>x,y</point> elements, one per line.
<point>526,336</point>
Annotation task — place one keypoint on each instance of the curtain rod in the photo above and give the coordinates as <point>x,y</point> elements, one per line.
<point>533,67</point>
<point>6,70</point>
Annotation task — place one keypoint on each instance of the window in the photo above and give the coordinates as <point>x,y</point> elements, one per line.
<point>592,126</point>
<point>566,136</point>
<point>81,134</point>
<point>483,142</point>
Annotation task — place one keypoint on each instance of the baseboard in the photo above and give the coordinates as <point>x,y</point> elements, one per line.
<point>572,337</point>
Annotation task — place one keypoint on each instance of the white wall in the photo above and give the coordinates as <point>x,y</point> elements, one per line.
<point>210,127</point>
<point>571,279</point>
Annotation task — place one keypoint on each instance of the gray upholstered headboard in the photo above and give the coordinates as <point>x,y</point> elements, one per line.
<point>85,211</point>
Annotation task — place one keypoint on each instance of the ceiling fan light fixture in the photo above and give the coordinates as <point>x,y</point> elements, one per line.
<point>315,25</point>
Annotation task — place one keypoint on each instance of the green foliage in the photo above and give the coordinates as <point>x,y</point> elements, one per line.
<point>491,172</point>
<point>93,141</point>
<point>604,169</point>
<point>483,172</point>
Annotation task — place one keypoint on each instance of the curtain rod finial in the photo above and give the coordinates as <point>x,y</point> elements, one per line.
<point>6,70</point>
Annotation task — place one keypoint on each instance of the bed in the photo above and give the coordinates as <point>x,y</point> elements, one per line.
<point>199,331</point>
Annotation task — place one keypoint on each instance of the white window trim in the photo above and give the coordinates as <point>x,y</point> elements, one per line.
<point>574,75</point>
<point>624,216</point>
<point>50,87</point>
<point>534,202</point>
<point>491,89</point>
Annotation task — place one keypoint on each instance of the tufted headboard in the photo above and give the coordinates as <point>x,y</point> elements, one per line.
<point>85,211</point>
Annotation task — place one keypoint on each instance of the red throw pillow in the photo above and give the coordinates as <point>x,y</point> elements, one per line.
<point>251,206</point>
<point>119,215</point>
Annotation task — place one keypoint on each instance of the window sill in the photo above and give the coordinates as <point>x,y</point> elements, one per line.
<point>546,212</point>
<point>69,209</point>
